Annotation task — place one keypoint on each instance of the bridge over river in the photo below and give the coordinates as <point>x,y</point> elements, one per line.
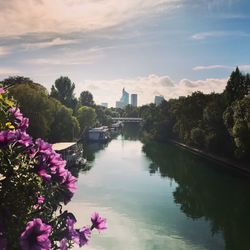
<point>127,119</point>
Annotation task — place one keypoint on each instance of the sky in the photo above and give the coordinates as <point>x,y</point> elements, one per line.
<point>150,47</point>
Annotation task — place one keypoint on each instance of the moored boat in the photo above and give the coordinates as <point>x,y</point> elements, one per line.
<point>100,134</point>
<point>116,128</point>
<point>71,152</point>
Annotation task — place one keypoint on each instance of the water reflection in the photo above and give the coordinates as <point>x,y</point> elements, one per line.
<point>203,192</point>
<point>131,131</point>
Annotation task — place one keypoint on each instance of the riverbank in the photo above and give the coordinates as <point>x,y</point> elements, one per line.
<point>225,162</point>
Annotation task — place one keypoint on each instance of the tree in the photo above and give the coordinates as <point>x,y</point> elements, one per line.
<point>236,87</point>
<point>86,117</point>
<point>131,111</point>
<point>217,137</point>
<point>237,121</point>
<point>63,91</point>
<point>16,80</point>
<point>65,127</point>
<point>36,105</point>
<point>197,137</point>
<point>86,99</point>
<point>188,112</point>
<point>48,117</point>
<point>103,115</point>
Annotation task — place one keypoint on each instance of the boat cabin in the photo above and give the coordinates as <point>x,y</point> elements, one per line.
<point>99,134</point>
<point>116,127</point>
<point>70,152</point>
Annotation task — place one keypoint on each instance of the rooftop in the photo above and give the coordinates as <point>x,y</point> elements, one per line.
<point>62,145</point>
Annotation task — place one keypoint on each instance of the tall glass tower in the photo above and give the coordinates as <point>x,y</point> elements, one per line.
<point>125,97</point>
<point>124,100</point>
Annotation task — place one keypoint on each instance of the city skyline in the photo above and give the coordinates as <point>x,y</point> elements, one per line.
<point>155,47</point>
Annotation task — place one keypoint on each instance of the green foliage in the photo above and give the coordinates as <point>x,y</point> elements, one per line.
<point>104,116</point>
<point>197,137</point>
<point>23,182</point>
<point>237,86</point>
<point>86,99</point>
<point>86,117</point>
<point>131,111</point>
<point>217,123</point>
<point>36,105</point>
<point>13,80</point>
<point>34,183</point>
<point>237,121</point>
<point>65,127</point>
<point>63,91</point>
<point>54,117</point>
<point>48,117</point>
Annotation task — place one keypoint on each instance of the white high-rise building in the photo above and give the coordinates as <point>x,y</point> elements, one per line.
<point>124,100</point>
<point>134,100</point>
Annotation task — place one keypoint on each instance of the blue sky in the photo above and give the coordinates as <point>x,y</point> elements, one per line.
<point>150,47</point>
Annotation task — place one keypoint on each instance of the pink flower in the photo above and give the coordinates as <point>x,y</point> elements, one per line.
<point>40,200</point>
<point>24,124</point>
<point>10,136</point>
<point>2,91</point>
<point>63,244</point>
<point>70,182</point>
<point>17,113</point>
<point>44,147</point>
<point>23,138</point>
<point>36,236</point>
<point>84,236</point>
<point>98,222</point>
<point>44,174</point>
<point>70,222</point>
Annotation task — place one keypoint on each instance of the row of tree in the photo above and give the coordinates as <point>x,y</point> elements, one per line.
<point>217,123</point>
<point>58,115</point>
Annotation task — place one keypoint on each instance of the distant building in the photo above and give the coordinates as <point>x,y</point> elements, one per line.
<point>134,100</point>
<point>119,105</point>
<point>159,100</point>
<point>125,97</point>
<point>124,101</point>
<point>104,104</point>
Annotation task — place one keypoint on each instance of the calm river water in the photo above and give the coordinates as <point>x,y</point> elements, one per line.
<point>158,197</point>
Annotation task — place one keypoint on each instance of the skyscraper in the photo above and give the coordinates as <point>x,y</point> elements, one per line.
<point>159,100</point>
<point>125,97</point>
<point>134,100</point>
<point>124,100</point>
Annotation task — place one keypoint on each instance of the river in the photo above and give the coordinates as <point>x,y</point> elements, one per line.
<point>158,196</point>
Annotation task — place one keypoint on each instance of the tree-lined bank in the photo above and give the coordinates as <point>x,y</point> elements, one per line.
<point>58,115</point>
<point>215,123</point>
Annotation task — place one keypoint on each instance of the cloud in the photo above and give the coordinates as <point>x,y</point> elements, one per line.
<point>69,57</point>
<point>149,86</point>
<point>5,72</point>
<point>64,16</point>
<point>244,67</point>
<point>46,44</point>
<point>4,51</point>
<point>217,34</point>
<point>208,67</point>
